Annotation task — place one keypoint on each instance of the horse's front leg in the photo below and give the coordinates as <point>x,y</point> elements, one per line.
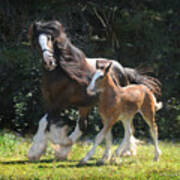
<point>63,151</point>
<point>39,140</point>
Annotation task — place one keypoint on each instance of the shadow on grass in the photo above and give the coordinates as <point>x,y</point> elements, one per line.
<point>62,165</point>
<point>34,162</point>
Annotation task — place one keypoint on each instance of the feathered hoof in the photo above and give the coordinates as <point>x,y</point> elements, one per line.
<point>34,158</point>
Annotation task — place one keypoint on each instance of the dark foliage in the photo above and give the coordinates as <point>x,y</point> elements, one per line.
<point>142,33</point>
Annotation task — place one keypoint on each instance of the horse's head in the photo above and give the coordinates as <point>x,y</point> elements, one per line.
<point>43,35</point>
<point>98,79</point>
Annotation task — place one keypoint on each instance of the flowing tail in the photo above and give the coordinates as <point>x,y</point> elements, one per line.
<point>136,77</point>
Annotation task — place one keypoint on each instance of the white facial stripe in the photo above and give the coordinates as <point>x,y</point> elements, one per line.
<point>47,55</point>
<point>43,41</point>
<point>94,78</point>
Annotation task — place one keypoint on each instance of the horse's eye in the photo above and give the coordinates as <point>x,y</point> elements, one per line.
<point>49,38</point>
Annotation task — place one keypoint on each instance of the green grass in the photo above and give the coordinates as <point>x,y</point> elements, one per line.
<point>14,163</point>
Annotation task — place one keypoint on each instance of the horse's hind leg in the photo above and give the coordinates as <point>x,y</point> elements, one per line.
<point>131,147</point>
<point>126,140</point>
<point>149,117</point>
<point>39,140</point>
<point>107,151</point>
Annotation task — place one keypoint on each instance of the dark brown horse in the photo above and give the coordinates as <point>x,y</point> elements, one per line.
<point>66,74</point>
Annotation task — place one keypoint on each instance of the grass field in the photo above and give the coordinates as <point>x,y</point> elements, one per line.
<point>14,163</point>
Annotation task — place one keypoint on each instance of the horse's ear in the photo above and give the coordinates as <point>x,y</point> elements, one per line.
<point>108,67</point>
<point>100,64</point>
<point>97,64</point>
<point>60,28</point>
<point>30,32</point>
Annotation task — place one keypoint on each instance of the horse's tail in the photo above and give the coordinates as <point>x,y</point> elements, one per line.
<point>136,77</point>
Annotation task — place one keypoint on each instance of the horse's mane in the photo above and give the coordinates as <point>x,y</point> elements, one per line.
<point>70,59</point>
<point>140,77</point>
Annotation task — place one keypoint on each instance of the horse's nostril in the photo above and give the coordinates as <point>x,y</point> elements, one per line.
<point>50,63</point>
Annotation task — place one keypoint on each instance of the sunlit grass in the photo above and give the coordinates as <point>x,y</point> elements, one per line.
<point>14,163</point>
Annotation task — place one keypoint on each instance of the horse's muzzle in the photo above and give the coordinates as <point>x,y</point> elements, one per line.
<point>49,64</point>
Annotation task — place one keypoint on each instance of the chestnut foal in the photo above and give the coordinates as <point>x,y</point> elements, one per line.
<point>121,103</point>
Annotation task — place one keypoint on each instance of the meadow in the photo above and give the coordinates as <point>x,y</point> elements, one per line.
<point>15,165</point>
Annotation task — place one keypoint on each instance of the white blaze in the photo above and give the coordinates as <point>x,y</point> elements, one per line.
<point>91,87</point>
<point>47,55</point>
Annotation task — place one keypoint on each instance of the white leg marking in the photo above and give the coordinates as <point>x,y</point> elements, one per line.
<point>76,134</point>
<point>58,135</point>
<point>125,141</point>
<point>61,153</point>
<point>39,140</point>
<point>155,140</point>
<point>107,151</point>
<point>100,136</point>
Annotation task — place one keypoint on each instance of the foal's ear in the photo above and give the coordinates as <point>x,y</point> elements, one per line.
<point>107,69</point>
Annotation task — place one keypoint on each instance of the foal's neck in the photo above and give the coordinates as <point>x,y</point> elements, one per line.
<point>110,88</point>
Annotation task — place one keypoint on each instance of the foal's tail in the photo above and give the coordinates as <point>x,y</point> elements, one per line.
<point>136,77</point>
<point>158,105</point>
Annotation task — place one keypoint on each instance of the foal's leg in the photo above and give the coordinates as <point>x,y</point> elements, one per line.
<point>39,140</point>
<point>148,113</point>
<point>154,134</point>
<point>125,142</point>
<point>107,151</point>
<point>63,151</point>
<point>99,138</point>
<point>131,147</point>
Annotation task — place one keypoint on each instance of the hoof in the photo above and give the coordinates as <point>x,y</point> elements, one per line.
<point>60,158</point>
<point>82,162</point>
<point>69,143</point>
<point>156,159</point>
<point>33,158</point>
<point>115,161</point>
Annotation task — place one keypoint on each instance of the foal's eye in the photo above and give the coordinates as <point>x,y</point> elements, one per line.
<point>101,77</point>
<point>49,38</point>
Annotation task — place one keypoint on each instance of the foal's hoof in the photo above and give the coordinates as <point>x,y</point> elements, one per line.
<point>115,161</point>
<point>156,159</point>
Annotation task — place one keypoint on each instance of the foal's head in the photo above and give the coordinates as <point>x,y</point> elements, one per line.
<point>44,35</point>
<point>99,78</point>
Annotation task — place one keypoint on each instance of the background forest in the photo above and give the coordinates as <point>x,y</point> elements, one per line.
<point>138,34</point>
